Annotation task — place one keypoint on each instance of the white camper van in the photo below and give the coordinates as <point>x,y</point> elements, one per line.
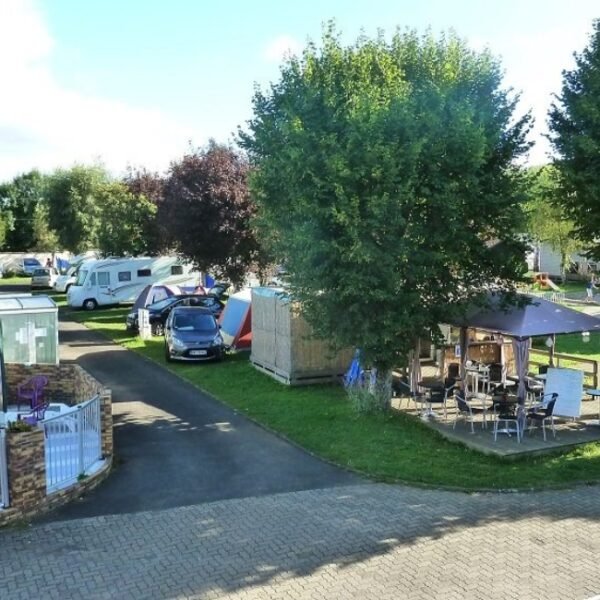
<point>64,282</point>
<point>120,280</point>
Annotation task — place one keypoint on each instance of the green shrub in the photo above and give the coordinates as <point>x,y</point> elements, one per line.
<point>18,426</point>
<point>365,403</point>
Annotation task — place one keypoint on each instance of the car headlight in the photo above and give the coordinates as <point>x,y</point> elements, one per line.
<point>177,343</point>
<point>217,341</point>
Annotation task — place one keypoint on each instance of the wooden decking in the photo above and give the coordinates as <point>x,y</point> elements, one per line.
<point>569,433</point>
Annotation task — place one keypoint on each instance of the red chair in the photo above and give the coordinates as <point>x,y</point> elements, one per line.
<point>32,391</point>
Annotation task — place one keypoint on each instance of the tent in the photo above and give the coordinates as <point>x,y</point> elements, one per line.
<point>535,317</point>
<point>154,293</point>
<point>236,321</point>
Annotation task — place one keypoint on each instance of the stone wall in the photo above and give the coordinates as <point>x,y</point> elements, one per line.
<point>71,385</point>
<point>26,469</point>
<point>67,383</point>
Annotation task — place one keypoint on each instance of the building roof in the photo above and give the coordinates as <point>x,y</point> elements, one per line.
<point>26,303</point>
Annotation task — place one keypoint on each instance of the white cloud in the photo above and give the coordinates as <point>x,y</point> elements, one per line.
<point>45,125</point>
<point>281,47</point>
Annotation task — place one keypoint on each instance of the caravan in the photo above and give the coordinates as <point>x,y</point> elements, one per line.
<point>120,280</point>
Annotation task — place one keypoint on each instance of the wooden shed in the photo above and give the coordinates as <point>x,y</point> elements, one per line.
<point>283,344</point>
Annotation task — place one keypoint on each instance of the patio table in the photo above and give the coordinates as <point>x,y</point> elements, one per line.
<point>506,408</point>
<point>594,394</point>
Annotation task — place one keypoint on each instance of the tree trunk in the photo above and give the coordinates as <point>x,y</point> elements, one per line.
<point>563,267</point>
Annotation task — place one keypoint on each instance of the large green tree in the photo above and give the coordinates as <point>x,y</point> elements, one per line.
<point>385,178</point>
<point>147,185</point>
<point>74,206</point>
<point>22,202</point>
<point>3,230</point>
<point>45,238</point>
<point>126,220</point>
<point>547,220</point>
<point>575,136</point>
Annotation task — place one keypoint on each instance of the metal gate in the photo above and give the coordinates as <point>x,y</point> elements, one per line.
<point>73,444</point>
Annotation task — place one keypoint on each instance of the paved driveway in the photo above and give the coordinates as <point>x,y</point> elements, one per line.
<point>176,446</point>
<point>365,542</point>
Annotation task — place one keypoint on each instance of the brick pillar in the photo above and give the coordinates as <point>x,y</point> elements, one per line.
<point>106,422</point>
<point>26,468</point>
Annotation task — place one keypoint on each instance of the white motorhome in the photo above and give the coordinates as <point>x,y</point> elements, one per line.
<point>120,280</point>
<point>64,282</point>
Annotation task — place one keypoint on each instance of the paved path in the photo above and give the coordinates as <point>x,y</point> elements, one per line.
<point>365,542</point>
<point>176,446</point>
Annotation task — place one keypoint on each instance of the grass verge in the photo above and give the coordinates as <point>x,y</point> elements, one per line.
<point>385,447</point>
<point>15,280</point>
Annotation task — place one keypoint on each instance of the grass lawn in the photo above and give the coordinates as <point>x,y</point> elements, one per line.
<point>572,286</point>
<point>387,448</point>
<point>574,344</point>
<point>15,280</point>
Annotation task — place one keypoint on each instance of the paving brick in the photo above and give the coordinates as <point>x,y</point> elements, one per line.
<point>365,541</point>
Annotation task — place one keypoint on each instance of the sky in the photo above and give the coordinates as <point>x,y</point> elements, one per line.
<point>138,82</point>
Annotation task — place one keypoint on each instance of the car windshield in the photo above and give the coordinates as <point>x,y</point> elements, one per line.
<point>81,277</point>
<point>40,272</point>
<point>31,262</point>
<point>194,322</point>
<point>162,303</point>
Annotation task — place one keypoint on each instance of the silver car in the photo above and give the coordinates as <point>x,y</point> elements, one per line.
<point>192,333</point>
<point>43,278</point>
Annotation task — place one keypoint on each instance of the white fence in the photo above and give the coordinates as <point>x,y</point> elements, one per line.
<point>4,499</point>
<point>73,444</point>
<point>559,297</point>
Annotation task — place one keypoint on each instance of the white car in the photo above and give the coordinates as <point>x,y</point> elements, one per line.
<point>44,277</point>
<point>64,282</point>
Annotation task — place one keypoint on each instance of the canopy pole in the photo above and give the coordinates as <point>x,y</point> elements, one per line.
<point>464,348</point>
<point>551,351</point>
<point>521,351</point>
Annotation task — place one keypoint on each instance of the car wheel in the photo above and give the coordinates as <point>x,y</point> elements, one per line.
<point>90,304</point>
<point>167,354</point>
<point>158,329</point>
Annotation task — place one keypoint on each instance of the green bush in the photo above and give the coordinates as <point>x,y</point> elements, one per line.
<point>365,403</point>
<point>18,426</point>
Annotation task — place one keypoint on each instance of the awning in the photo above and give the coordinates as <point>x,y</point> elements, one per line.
<point>538,318</point>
